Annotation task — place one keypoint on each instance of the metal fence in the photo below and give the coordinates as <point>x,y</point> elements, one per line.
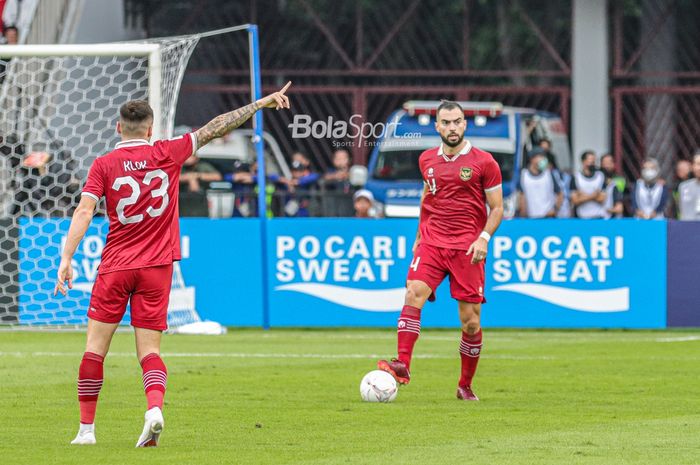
<point>318,201</point>
<point>368,57</point>
<point>371,104</point>
<point>659,122</point>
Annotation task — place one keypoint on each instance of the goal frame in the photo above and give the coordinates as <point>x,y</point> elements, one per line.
<point>149,50</point>
<point>157,68</point>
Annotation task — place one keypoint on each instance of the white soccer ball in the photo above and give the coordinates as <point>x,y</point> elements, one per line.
<point>378,386</point>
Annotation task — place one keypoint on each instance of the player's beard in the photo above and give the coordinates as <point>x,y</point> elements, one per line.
<point>449,143</point>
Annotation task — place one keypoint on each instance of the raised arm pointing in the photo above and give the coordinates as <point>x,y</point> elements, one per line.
<point>227,122</point>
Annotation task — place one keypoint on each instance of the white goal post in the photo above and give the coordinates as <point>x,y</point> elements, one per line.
<point>152,51</point>
<point>58,109</point>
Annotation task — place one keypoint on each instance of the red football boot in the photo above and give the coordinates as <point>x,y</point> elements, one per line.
<point>395,368</point>
<point>466,393</point>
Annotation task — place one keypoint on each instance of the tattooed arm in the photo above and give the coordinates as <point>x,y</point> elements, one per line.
<point>227,122</point>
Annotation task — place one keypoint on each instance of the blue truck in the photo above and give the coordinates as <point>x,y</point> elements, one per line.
<point>508,133</point>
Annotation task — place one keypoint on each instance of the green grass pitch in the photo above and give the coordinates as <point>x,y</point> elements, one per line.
<point>292,397</point>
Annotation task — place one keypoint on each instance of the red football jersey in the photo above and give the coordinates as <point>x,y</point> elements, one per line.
<point>140,182</point>
<point>453,213</point>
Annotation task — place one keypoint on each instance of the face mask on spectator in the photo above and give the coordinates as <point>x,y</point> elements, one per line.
<point>649,174</point>
<point>542,164</point>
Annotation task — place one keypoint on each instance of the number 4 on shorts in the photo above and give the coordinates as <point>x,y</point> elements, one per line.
<point>414,263</point>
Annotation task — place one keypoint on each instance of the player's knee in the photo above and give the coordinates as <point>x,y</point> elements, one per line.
<point>97,345</point>
<point>471,327</point>
<point>471,322</point>
<point>416,294</point>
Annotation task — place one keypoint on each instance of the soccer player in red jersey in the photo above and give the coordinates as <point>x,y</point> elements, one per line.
<point>140,182</point>
<point>454,230</point>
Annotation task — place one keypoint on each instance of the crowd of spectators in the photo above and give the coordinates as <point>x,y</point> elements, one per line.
<point>598,191</point>
<point>304,192</point>
<point>44,184</point>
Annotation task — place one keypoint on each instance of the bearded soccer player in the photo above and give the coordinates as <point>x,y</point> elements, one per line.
<point>139,181</point>
<point>454,230</point>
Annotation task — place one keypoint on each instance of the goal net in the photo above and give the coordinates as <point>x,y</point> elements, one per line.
<point>58,107</point>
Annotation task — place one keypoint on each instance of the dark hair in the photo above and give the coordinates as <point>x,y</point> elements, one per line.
<point>534,153</point>
<point>606,155</point>
<point>586,153</point>
<point>136,116</point>
<point>10,27</point>
<point>448,105</point>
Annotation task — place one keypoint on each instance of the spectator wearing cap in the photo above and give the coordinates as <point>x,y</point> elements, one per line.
<point>588,189</point>
<point>297,199</point>
<point>689,194</point>
<point>540,193</point>
<point>650,192</point>
<point>244,181</point>
<point>363,202</point>
<point>303,178</point>
<point>615,186</point>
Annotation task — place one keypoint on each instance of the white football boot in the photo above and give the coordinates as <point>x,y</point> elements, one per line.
<point>86,435</point>
<point>152,428</point>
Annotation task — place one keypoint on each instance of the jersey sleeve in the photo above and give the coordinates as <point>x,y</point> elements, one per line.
<point>491,178</point>
<point>180,148</point>
<point>95,184</point>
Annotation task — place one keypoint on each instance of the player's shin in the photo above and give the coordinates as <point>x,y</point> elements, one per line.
<point>90,378</point>
<point>155,376</point>
<point>469,352</point>
<point>408,331</point>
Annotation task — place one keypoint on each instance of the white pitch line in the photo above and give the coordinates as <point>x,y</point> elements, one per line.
<point>269,355</point>
<point>678,339</point>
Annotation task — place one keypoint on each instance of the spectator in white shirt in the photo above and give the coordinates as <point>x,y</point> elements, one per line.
<point>540,193</point>
<point>650,192</point>
<point>588,189</point>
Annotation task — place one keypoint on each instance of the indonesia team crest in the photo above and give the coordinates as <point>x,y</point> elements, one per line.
<point>465,174</point>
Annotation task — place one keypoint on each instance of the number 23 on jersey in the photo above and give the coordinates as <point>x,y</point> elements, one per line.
<point>135,187</point>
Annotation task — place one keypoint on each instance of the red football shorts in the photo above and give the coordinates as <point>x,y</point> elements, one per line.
<point>431,264</point>
<point>147,288</point>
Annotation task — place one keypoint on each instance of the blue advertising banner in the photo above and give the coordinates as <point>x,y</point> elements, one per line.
<point>568,273</point>
<point>351,272</point>
<point>221,259</point>
<point>338,272</point>
<point>683,273</point>
<point>224,265</point>
<point>577,273</point>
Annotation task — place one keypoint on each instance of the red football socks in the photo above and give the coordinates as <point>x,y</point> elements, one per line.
<point>90,378</point>
<point>408,330</point>
<point>469,351</point>
<point>155,376</point>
